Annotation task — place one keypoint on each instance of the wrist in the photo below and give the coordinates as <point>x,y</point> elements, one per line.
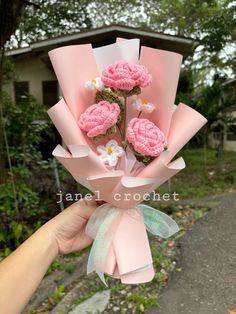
<point>48,240</point>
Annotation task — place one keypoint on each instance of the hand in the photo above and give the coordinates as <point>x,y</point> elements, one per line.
<point>68,227</point>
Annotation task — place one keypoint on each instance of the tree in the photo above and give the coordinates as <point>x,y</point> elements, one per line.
<point>50,18</point>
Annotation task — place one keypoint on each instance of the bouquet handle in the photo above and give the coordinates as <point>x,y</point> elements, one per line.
<point>133,254</point>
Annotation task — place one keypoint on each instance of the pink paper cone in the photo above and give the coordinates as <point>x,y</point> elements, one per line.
<point>73,66</point>
<point>165,68</point>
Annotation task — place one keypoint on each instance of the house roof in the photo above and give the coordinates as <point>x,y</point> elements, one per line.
<point>229,82</point>
<point>107,35</point>
<point>230,109</point>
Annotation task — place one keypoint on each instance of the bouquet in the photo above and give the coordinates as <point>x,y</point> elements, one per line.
<point>122,129</point>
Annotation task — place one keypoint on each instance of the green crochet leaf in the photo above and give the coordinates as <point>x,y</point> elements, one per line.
<point>124,93</point>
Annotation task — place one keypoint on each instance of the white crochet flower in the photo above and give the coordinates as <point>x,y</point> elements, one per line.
<point>110,153</point>
<point>143,105</point>
<point>95,84</point>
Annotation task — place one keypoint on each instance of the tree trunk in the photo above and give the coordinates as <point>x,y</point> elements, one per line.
<point>10,14</point>
<point>2,140</point>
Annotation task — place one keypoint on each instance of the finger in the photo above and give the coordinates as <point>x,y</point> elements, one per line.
<point>84,208</point>
<point>90,202</point>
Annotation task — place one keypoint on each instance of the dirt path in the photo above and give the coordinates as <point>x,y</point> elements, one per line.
<point>204,281</point>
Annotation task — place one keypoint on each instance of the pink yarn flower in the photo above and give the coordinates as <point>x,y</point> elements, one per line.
<point>146,138</point>
<point>98,118</point>
<point>125,76</point>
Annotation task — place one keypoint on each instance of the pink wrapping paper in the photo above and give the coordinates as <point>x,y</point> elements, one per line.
<point>129,257</point>
<point>137,257</point>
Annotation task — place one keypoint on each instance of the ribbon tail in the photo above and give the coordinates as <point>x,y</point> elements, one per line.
<point>98,254</point>
<point>101,221</point>
<point>102,277</point>
<point>91,264</point>
<point>157,222</point>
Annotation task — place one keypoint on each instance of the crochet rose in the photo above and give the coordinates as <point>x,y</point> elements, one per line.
<point>146,138</point>
<point>125,76</point>
<point>98,118</point>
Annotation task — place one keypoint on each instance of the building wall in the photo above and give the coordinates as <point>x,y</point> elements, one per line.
<point>230,145</point>
<point>33,70</point>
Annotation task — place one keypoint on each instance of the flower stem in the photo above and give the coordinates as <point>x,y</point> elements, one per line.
<point>124,130</point>
<point>119,130</point>
<point>140,112</point>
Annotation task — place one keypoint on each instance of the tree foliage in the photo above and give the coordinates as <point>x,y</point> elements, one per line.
<point>210,23</point>
<point>46,19</point>
<point>25,123</point>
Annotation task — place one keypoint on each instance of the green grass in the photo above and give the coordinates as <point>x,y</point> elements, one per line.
<point>68,263</point>
<point>79,253</point>
<point>141,300</point>
<point>70,267</point>
<point>159,260</point>
<point>205,174</point>
<point>56,265</point>
<point>58,293</point>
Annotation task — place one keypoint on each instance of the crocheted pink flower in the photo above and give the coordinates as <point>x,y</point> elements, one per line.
<point>125,76</point>
<point>98,118</point>
<point>146,138</point>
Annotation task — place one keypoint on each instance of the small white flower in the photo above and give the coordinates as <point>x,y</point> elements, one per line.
<point>143,105</point>
<point>110,153</point>
<point>95,84</point>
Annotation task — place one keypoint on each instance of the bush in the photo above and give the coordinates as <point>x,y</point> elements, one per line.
<point>13,229</point>
<point>22,210</point>
<point>25,124</point>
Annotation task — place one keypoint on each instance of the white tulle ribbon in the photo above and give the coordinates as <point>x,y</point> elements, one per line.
<point>104,222</point>
<point>157,222</point>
